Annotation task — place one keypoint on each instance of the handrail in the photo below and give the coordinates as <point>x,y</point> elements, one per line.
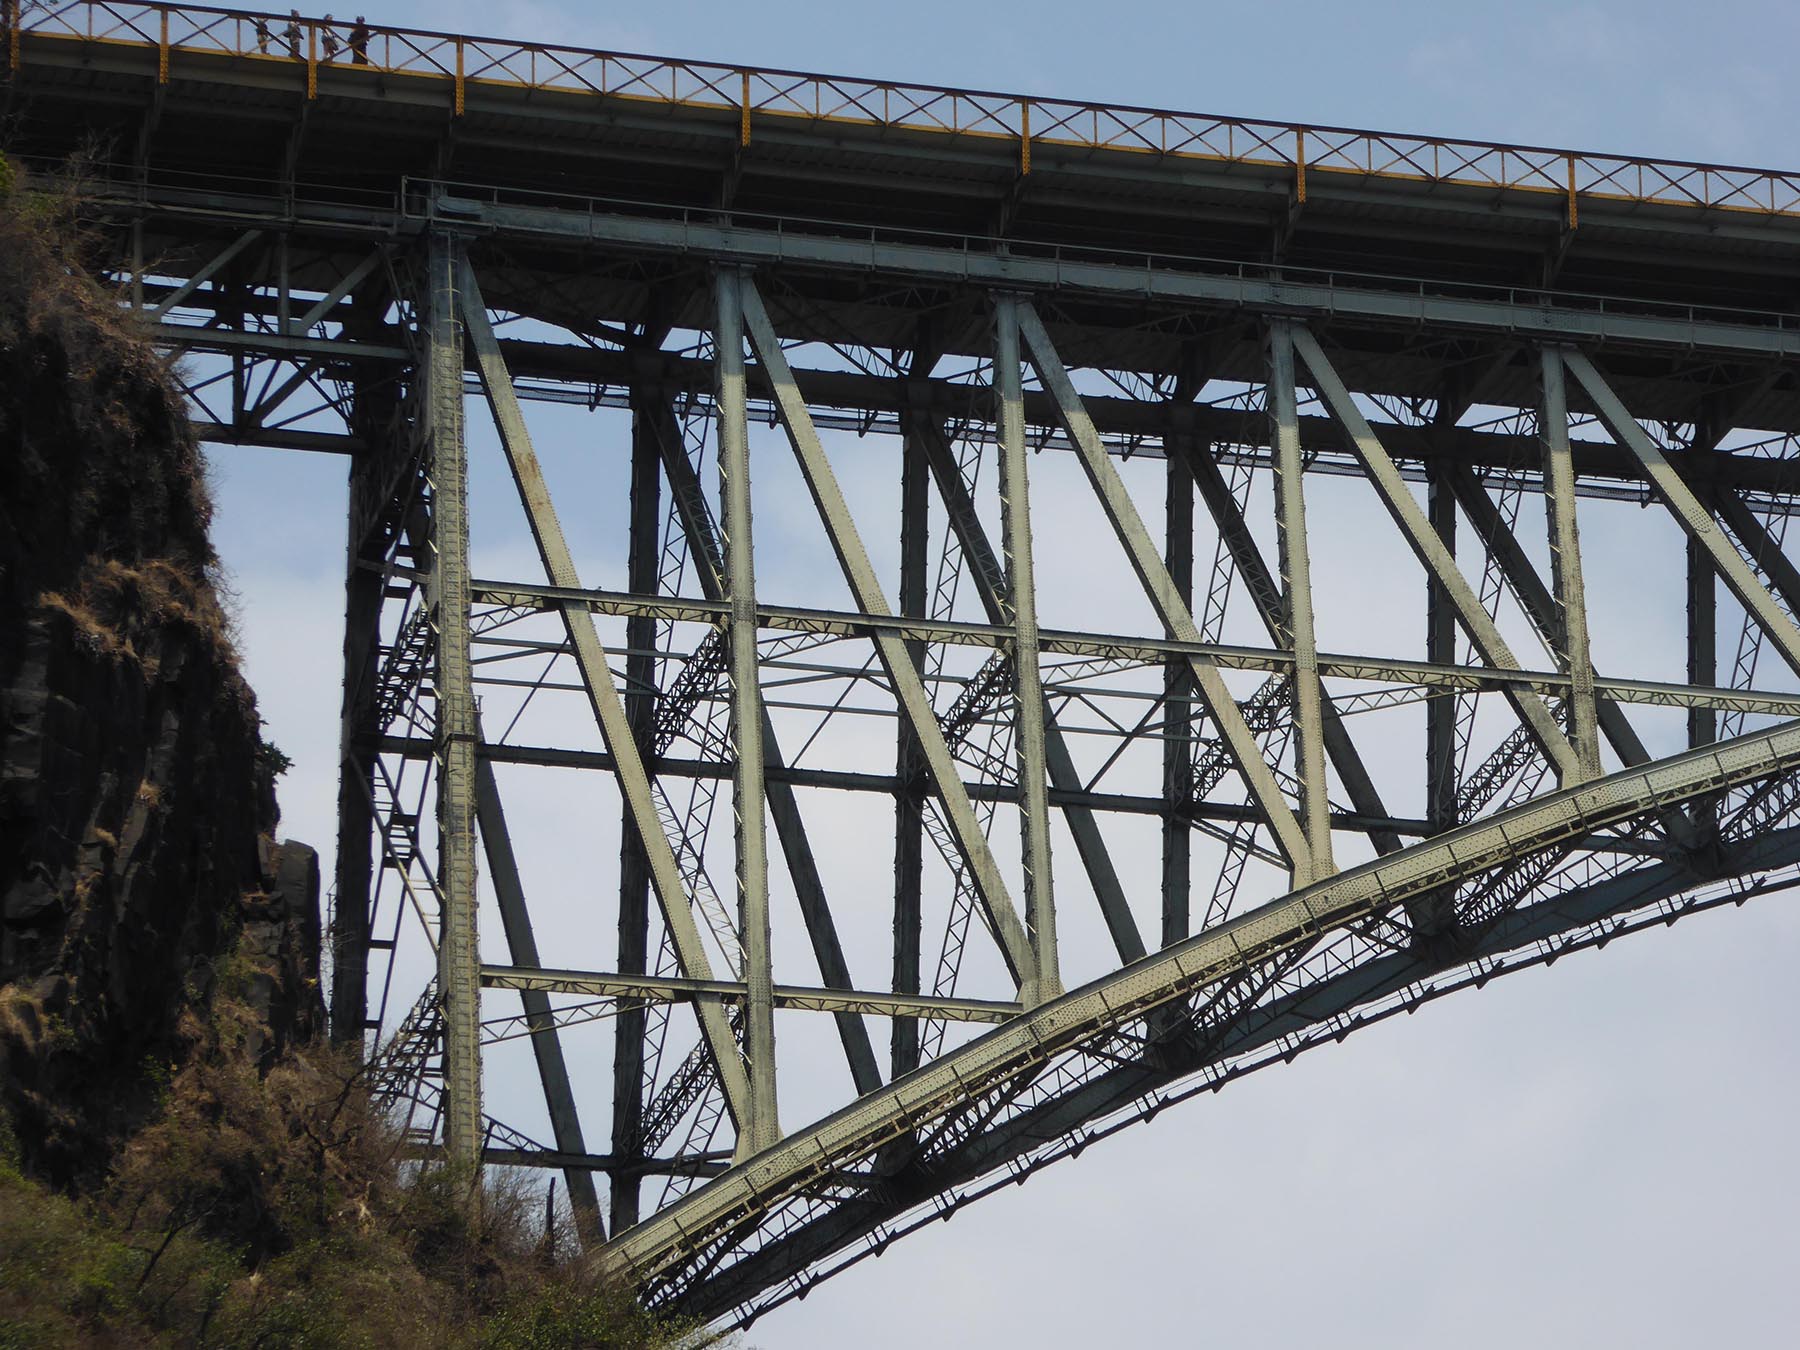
<point>747,94</point>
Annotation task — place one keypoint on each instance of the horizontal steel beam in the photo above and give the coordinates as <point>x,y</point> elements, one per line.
<point>660,989</point>
<point>279,438</point>
<point>1146,650</point>
<point>1535,314</point>
<point>601,377</point>
<point>850,780</point>
<point>692,1165</point>
<point>223,341</point>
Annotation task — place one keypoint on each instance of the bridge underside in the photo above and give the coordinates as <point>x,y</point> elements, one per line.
<point>1031,670</point>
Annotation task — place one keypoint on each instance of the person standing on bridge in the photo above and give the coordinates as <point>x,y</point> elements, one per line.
<point>292,34</point>
<point>330,40</point>
<point>359,43</point>
<point>262,37</point>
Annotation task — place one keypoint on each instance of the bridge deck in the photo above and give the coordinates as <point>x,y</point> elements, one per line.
<point>179,99</point>
<point>959,161</point>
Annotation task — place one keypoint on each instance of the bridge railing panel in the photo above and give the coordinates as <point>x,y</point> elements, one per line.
<point>756,93</point>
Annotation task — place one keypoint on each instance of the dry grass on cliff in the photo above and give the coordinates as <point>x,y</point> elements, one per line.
<point>272,1210</point>
<point>260,1204</point>
<point>112,602</point>
<point>97,459</point>
<point>52,310</point>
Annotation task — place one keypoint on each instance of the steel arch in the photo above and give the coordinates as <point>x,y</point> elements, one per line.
<point>669,1254</point>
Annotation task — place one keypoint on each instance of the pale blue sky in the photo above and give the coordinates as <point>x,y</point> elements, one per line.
<point>1595,1155</point>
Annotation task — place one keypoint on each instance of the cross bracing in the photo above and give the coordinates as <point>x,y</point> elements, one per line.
<point>899,699</point>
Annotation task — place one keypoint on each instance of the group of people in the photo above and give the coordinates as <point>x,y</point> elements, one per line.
<point>358,43</point>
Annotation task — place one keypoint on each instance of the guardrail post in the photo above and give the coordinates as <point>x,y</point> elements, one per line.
<point>1024,136</point>
<point>312,60</point>
<point>1300,165</point>
<point>744,112</point>
<point>459,77</point>
<point>11,10</point>
<point>162,49</point>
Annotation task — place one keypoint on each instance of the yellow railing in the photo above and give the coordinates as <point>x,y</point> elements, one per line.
<point>747,94</point>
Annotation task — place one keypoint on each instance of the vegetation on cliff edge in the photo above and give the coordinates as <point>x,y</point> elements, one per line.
<point>270,1210</point>
<point>248,1197</point>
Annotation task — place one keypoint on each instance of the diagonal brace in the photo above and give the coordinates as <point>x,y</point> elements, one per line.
<point>784,806</point>
<point>1153,574</point>
<point>205,273</point>
<point>1384,475</point>
<point>1688,510</point>
<point>546,1044</point>
<point>1535,598</point>
<point>990,586</point>
<point>909,687</point>
<point>1259,581</point>
<point>603,694</point>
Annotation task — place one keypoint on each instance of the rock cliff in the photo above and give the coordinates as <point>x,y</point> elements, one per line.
<point>137,807</point>
<point>185,1160</point>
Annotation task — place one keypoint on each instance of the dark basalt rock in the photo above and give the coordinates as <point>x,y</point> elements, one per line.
<point>137,807</point>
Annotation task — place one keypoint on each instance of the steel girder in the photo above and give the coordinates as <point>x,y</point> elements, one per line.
<point>997,711</point>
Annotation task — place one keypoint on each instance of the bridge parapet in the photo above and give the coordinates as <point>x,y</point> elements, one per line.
<point>745,95</point>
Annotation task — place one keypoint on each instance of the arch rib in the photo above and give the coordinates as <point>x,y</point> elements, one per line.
<point>735,1201</point>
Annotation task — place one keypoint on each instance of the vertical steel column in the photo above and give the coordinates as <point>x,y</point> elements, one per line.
<point>1565,563</point>
<point>283,290</point>
<point>459,958</point>
<point>909,801</point>
<point>1296,588</point>
<point>137,263</point>
<point>355,802</point>
<point>379,477</point>
<point>1178,708</point>
<point>634,864</point>
<point>1702,639</point>
<point>1045,981</point>
<point>1440,649</point>
<point>762,1129</point>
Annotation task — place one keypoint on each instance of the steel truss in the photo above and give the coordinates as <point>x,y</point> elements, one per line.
<point>1307,886</point>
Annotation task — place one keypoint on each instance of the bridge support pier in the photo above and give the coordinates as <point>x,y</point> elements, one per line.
<point>350,932</point>
<point>1044,981</point>
<point>447,588</point>
<point>648,411</point>
<point>763,1128</point>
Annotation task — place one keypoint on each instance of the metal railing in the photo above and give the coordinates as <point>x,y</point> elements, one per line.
<point>748,94</point>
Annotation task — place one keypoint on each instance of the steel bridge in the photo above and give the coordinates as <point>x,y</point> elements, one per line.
<point>1010,865</point>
